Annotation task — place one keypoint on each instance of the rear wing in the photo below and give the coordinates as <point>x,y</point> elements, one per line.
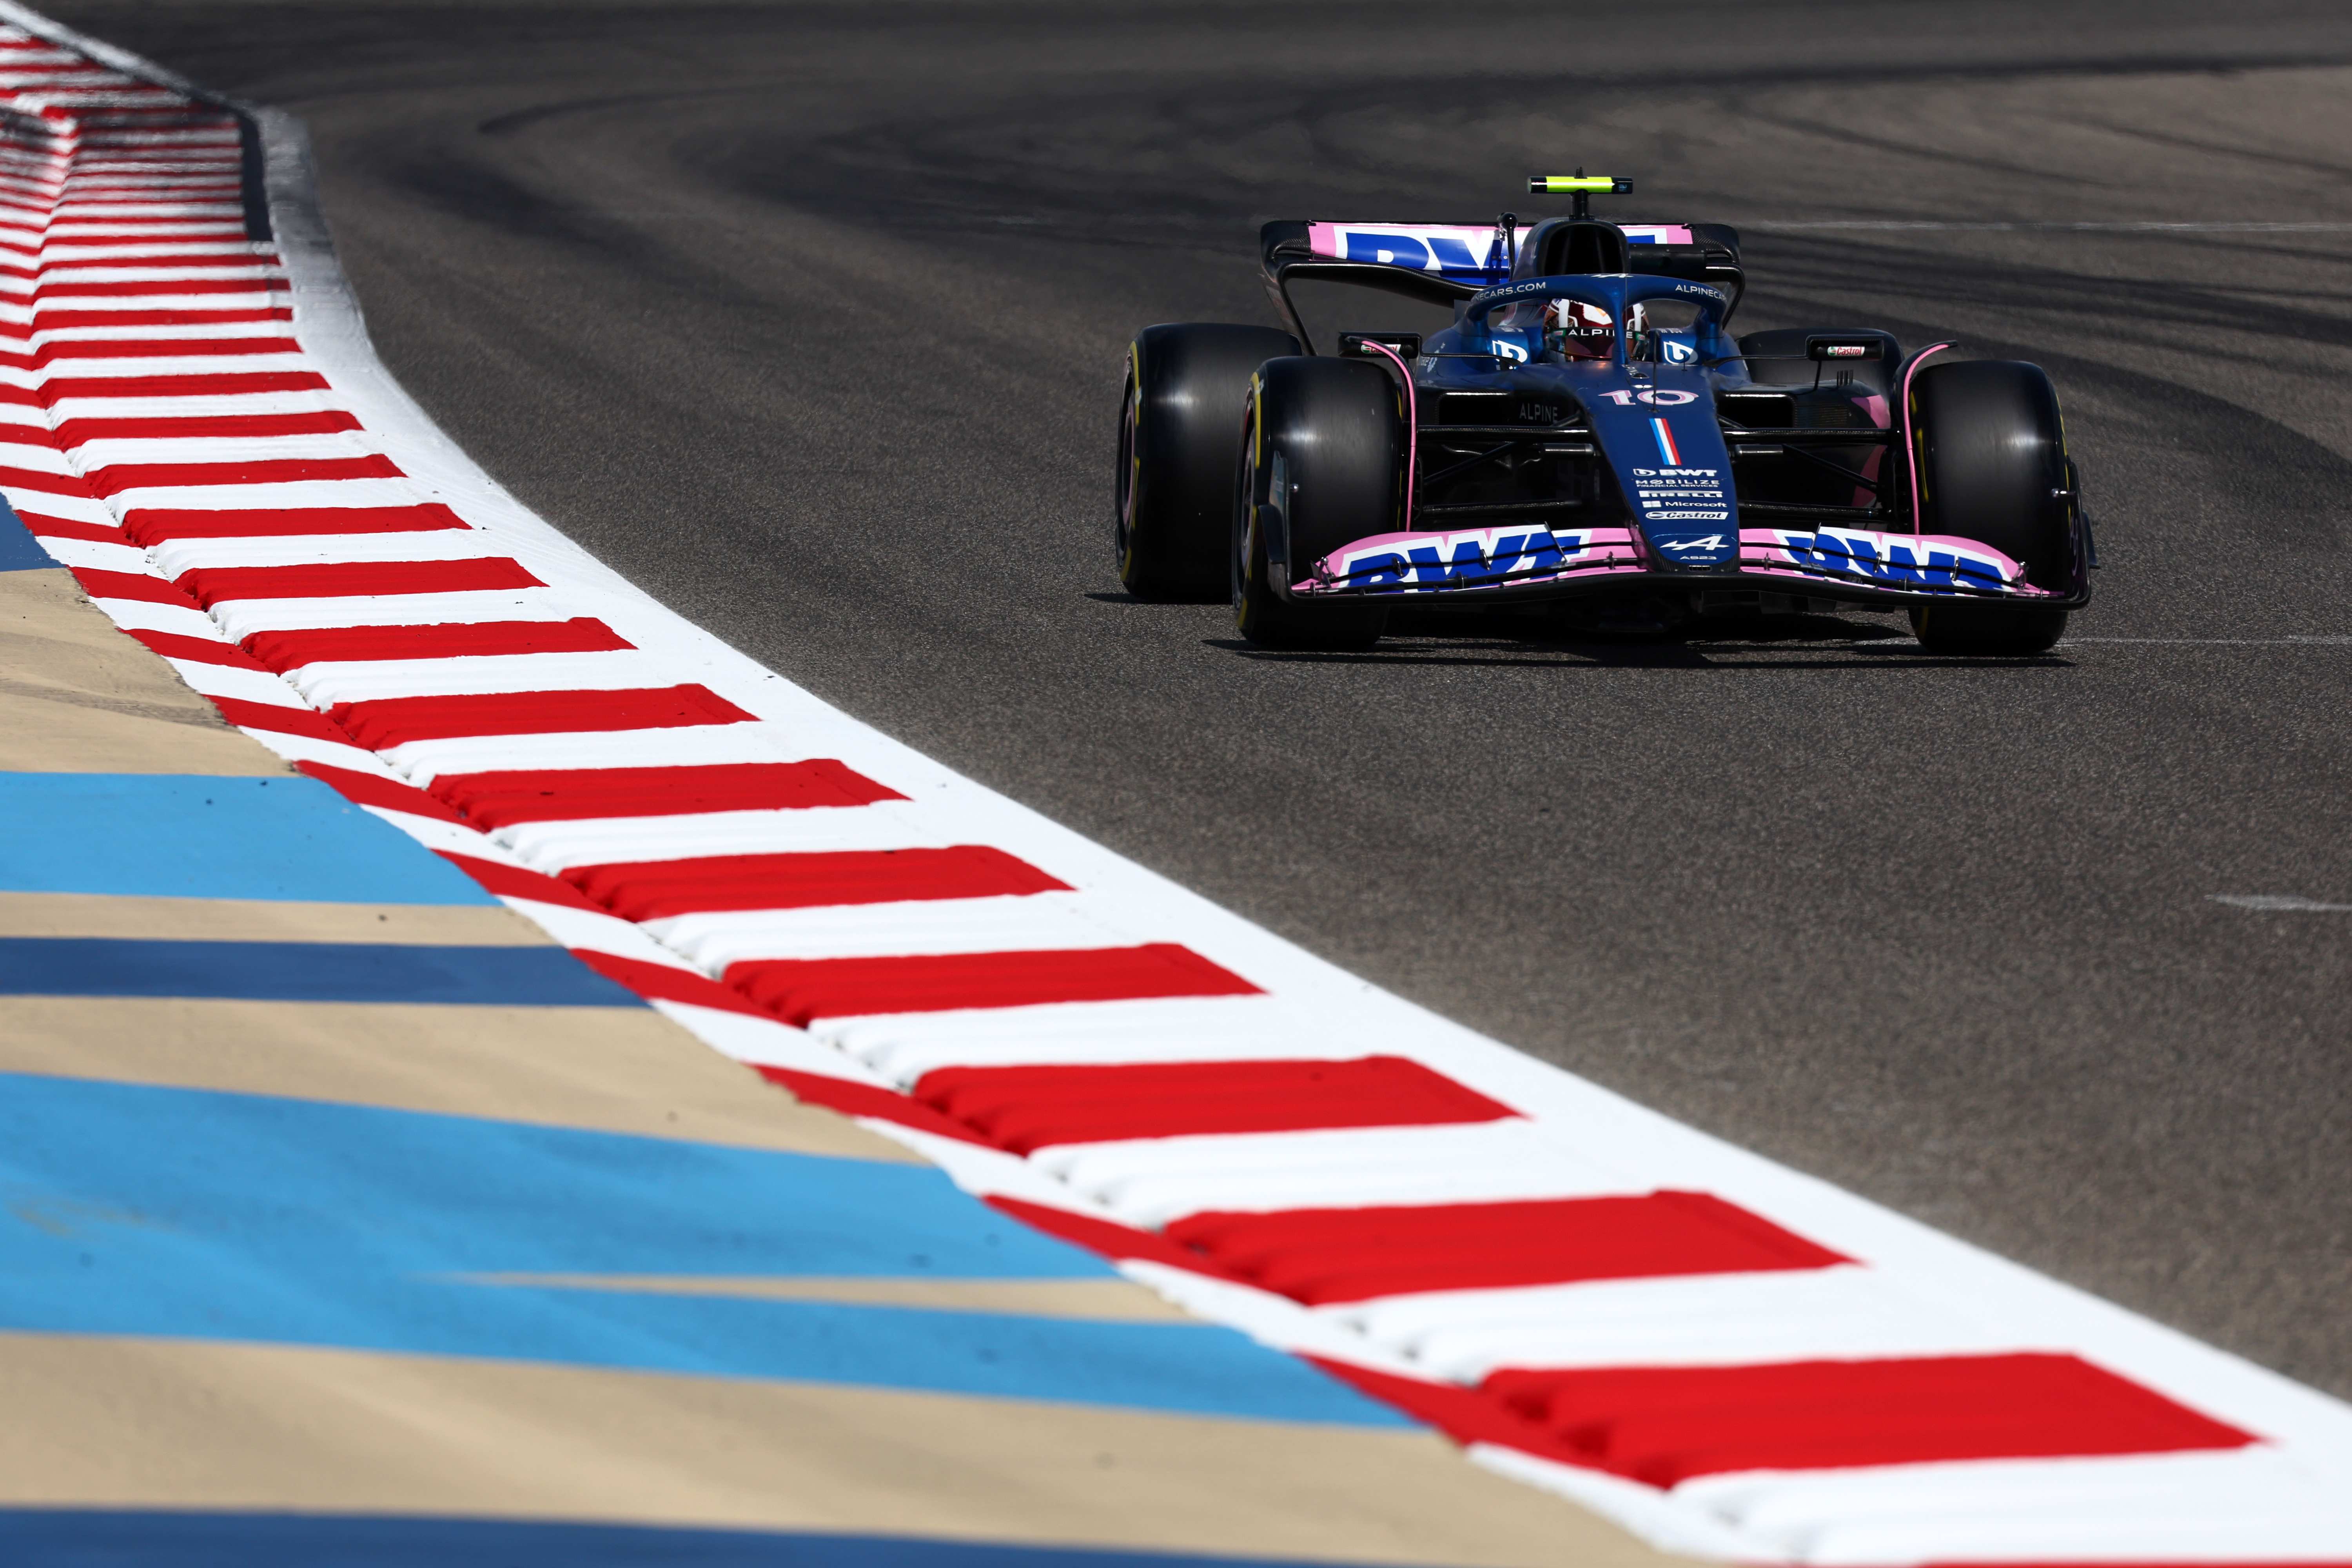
<point>1444,263</point>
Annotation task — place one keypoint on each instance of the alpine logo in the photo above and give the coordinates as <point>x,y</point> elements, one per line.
<point>1703,541</point>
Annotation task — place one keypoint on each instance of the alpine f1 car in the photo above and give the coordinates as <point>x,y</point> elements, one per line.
<point>1588,431</point>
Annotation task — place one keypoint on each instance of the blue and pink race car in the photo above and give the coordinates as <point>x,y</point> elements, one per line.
<point>1587,434</point>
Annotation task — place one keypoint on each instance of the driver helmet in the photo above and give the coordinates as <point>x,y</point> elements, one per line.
<point>1575,330</point>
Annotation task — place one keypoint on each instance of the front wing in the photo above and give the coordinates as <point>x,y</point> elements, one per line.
<point>1523,564</point>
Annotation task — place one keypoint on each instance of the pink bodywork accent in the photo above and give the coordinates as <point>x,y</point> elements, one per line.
<point>1411,421</point>
<point>1910,447</point>
<point>1325,238</point>
<point>1766,548</point>
<point>1602,542</point>
<point>1875,407</point>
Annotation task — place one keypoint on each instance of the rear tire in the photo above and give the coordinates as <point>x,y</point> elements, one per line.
<point>1185,386</point>
<point>1322,465</point>
<point>1992,467</point>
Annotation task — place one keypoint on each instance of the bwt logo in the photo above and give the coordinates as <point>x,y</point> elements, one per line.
<point>1462,560</point>
<point>1897,560</point>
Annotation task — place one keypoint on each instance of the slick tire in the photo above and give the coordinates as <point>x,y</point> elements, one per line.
<point>1322,464</point>
<point>1987,631</point>
<point>1992,452</point>
<point>1185,387</point>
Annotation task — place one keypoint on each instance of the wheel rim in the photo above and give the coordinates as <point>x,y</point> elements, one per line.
<point>1244,507</point>
<point>1123,510</point>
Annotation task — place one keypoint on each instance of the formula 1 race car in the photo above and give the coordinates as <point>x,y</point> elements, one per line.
<point>1587,432</point>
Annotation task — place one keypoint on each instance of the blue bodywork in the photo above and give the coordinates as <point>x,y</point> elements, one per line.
<point>1652,418</point>
<point>1668,462</point>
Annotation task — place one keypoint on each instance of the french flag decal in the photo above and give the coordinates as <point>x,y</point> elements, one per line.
<point>1668,453</point>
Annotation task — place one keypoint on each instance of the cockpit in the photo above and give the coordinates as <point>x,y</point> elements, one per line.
<point>1568,325</point>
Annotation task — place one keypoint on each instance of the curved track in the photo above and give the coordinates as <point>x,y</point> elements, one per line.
<point>808,319</point>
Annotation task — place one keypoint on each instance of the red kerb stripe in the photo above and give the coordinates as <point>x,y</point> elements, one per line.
<point>47,321</point>
<point>396,720</point>
<point>278,719</point>
<point>46,484</point>
<point>1325,1256</point>
<point>513,882</point>
<point>853,1098</point>
<point>165,286</point>
<point>50,352</point>
<point>116,478</point>
<point>323,422</point>
<point>57,389</point>
<point>653,981</point>
<point>291,649</point>
<point>100,585</point>
<point>216,585</point>
<point>572,795</point>
<point>58,527</point>
<point>200,650</point>
<point>655,890</point>
<point>374,789</point>
<point>1663,1425</point>
<point>198,259</point>
<point>153,525</point>
<point>1027,1108</point>
<point>798,990</point>
<point>1105,1236</point>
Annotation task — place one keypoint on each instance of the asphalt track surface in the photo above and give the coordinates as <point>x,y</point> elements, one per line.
<point>809,320</point>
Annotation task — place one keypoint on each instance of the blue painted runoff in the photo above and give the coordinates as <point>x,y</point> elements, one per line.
<point>132,1209</point>
<point>182,835</point>
<point>20,550</point>
<point>79,1538</point>
<point>303,972</point>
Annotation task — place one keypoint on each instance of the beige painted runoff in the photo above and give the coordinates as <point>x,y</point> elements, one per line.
<point>612,1069</point>
<point>78,696</point>
<point>265,919</point>
<point>105,1422</point>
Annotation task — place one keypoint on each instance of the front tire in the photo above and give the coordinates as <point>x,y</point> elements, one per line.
<point>1322,465</point>
<point>1992,451</point>
<point>1987,631</point>
<point>1185,386</point>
